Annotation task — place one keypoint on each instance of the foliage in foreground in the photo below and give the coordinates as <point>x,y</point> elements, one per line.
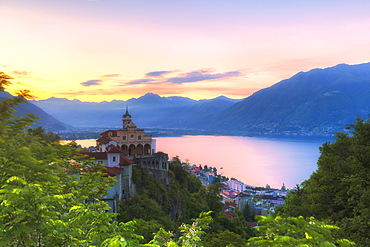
<point>48,197</point>
<point>295,231</point>
<point>339,190</point>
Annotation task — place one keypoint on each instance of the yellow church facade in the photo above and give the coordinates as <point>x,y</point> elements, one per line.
<point>130,140</point>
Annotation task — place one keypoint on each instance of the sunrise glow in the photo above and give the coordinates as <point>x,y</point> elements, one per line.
<point>105,50</point>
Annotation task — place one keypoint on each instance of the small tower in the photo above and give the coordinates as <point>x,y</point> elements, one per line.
<point>126,119</point>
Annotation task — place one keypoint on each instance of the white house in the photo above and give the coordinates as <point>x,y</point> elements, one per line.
<point>118,166</point>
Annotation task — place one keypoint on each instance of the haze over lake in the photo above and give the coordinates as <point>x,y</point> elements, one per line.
<point>253,160</point>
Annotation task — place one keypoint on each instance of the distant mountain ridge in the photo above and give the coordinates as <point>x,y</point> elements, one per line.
<point>149,110</point>
<point>47,121</point>
<point>317,102</point>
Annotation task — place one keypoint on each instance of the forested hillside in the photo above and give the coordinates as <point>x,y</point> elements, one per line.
<point>339,190</point>
<point>183,199</point>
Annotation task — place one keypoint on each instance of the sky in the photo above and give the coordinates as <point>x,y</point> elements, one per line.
<point>103,50</point>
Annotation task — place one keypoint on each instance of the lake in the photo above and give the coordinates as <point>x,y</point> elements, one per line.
<point>255,161</point>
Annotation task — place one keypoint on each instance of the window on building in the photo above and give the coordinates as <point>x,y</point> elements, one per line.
<point>123,137</point>
<point>114,158</point>
<point>139,137</point>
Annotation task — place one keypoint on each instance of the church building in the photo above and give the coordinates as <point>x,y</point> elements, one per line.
<point>133,144</point>
<point>120,150</point>
<point>130,140</point>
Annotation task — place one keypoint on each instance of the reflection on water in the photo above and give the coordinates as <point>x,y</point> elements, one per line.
<point>254,161</point>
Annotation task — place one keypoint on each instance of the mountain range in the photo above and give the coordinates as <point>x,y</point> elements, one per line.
<point>317,102</point>
<point>150,110</point>
<point>47,121</point>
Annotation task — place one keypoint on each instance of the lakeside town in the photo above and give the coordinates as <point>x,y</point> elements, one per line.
<point>238,195</point>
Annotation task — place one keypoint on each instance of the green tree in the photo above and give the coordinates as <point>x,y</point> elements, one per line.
<point>247,212</point>
<point>190,235</point>
<point>339,189</point>
<point>223,239</point>
<point>295,231</point>
<point>213,197</point>
<point>48,195</point>
<point>147,229</point>
<point>141,206</point>
<point>283,187</point>
<point>43,136</point>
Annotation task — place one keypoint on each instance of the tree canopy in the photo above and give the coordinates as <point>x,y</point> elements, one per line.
<point>295,231</point>
<point>339,190</point>
<point>48,196</point>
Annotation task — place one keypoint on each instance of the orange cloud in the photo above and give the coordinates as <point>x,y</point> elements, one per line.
<point>22,73</point>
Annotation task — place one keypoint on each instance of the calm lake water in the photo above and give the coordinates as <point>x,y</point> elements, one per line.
<point>253,160</point>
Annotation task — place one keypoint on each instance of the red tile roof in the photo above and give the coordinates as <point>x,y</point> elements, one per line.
<point>229,214</point>
<point>105,133</point>
<point>113,149</point>
<point>125,161</point>
<point>111,171</point>
<point>104,139</point>
<point>223,185</point>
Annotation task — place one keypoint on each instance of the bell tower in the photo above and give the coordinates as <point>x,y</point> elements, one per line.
<point>126,119</point>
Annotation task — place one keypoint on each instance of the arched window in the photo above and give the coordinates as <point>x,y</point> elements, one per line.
<point>131,150</point>
<point>139,149</point>
<point>147,149</point>
<point>124,149</point>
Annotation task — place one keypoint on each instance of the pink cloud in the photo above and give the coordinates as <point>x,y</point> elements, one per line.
<point>22,73</point>
<point>182,78</point>
<point>111,75</point>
